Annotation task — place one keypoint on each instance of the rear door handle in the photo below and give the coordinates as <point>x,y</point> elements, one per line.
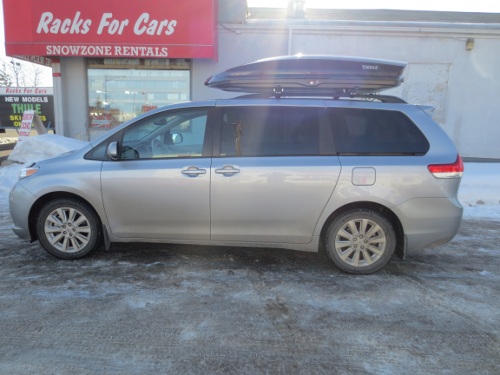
<point>194,171</point>
<point>227,170</point>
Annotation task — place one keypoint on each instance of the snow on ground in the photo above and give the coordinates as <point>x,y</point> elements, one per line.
<point>479,191</point>
<point>5,140</point>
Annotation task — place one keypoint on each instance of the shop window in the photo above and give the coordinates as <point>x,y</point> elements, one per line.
<point>118,92</point>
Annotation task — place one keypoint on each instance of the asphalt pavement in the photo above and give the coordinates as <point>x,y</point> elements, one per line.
<point>164,309</point>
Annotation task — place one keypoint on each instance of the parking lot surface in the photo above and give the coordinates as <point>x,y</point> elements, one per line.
<point>140,309</point>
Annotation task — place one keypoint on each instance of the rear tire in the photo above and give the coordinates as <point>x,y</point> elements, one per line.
<point>360,241</point>
<point>68,228</point>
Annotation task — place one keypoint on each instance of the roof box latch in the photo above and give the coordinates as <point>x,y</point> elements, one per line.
<point>278,91</point>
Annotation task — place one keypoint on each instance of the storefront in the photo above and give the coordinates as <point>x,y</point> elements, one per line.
<point>137,55</point>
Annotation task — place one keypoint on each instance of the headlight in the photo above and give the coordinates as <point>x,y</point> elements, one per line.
<point>29,171</point>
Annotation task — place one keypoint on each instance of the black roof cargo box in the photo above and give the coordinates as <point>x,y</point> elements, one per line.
<point>311,75</point>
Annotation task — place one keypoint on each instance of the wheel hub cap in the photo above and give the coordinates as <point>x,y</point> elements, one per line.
<point>360,242</point>
<point>67,229</point>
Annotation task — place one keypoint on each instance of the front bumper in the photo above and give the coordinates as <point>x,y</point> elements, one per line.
<point>20,203</point>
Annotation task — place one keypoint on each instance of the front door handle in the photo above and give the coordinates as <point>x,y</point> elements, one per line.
<point>194,171</point>
<point>227,170</point>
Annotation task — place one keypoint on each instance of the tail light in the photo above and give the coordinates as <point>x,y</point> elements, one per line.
<point>453,170</point>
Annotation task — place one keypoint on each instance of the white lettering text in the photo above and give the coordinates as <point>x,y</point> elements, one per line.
<point>49,24</point>
<point>112,26</point>
<point>153,27</point>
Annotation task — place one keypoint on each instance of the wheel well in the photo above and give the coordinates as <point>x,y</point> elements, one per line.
<point>391,216</point>
<point>35,210</point>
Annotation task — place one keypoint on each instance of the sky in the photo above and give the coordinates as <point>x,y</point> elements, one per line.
<point>46,77</point>
<point>478,192</point>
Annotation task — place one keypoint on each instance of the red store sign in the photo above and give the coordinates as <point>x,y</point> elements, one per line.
<point>111,28</point>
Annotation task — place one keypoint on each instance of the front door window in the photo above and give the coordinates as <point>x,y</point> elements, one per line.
<point>170,134</point>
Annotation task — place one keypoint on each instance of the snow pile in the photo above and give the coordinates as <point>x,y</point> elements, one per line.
<point>42,147</point>
<point>32,149</point>
<point>479,191</point>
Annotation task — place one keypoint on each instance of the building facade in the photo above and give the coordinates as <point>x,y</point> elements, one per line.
<point>111,65</point>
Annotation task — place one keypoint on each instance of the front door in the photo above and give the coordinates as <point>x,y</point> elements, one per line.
<point>159,188</point>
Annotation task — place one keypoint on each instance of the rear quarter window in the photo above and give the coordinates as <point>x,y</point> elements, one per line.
<point>375,132</point>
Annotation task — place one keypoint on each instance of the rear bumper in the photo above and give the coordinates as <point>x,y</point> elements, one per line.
<point>429,222</point>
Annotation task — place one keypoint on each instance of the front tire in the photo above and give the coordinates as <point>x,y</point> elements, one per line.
<point>68,228</point>
<point>360,241</point>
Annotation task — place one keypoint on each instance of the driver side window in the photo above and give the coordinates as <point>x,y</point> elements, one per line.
<point>171,134</point>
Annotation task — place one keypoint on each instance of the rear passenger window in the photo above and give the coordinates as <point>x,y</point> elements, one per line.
<point>269,131</point>
<point>375,132</point>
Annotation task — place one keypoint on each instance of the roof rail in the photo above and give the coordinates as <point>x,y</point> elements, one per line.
<point>347,96</point>
<point>374,97</point>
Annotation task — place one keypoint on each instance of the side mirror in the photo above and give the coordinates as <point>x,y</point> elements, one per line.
<point>177,138</point>
<point>112,151</point>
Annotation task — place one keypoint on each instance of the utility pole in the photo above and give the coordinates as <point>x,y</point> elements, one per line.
<point>16,68</point>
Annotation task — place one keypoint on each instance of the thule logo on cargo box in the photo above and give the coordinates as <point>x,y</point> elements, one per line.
<point>369,67</point>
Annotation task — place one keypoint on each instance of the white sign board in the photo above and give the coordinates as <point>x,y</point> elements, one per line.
<point>30,117</point>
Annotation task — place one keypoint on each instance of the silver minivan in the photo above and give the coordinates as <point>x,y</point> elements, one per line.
<point>361,179</point>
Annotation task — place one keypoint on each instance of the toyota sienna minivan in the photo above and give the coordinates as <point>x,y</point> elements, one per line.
<point>351,172</point>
